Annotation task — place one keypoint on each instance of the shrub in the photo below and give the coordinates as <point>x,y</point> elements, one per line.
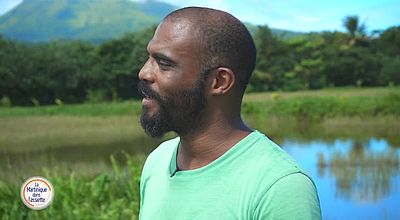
<point>5,102</point>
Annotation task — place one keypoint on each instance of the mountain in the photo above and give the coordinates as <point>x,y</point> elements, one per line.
<point>93,20</point>
<point>280,33</point>
<point>44,20</point>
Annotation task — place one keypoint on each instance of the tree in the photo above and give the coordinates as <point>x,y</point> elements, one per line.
<point>389,41</point>
<point>353,66</point>
<point>271,61</point>
<point>353,26</point>
<point>122,59</point>
<point>307,57</point>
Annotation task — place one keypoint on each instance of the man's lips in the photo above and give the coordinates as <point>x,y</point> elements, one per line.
<point>148,102</point>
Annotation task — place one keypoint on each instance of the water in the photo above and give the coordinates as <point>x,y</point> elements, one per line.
<point>353,179</point>
<point>355,166</point>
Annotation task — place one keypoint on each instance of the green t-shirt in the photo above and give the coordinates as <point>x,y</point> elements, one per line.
<point>255,179</point>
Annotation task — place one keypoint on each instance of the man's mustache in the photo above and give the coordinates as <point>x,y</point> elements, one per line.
<point>145,90</point>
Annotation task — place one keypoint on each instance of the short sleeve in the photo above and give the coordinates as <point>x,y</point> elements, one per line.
<point>292,197</point>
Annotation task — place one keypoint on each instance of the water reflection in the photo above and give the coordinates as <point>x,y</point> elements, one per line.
<point>361,174</point>
<point>360,178</point>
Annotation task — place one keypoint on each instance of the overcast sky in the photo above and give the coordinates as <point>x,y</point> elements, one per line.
<point>296,15</point>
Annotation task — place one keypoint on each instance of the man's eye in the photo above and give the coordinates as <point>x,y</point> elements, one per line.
<point>163,64</point>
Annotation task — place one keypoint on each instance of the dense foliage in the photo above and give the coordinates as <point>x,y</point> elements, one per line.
<point>75,71</point>
<point>110,195</point>
<point>71,71</point>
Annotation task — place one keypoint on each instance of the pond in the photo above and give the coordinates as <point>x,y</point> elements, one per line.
<point>355,164</point>
<point>353,179</point>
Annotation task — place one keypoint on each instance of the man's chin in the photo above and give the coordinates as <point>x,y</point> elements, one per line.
<point>147,114</point>
<point>153,124</point>
<point>150,111</point>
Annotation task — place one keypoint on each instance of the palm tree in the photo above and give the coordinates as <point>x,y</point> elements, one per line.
<point>353,26</point>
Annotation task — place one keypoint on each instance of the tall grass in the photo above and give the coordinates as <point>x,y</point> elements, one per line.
<point>323,107</point>
<point>110,195</point>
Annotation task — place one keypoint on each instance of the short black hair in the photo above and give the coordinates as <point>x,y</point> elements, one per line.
<point>225,41</point>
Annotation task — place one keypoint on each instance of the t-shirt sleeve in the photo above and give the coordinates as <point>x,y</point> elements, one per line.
<point>291,197</point>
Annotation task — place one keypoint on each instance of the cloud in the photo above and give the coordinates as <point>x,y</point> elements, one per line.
<point>7,5</point>
<point>304,15</point>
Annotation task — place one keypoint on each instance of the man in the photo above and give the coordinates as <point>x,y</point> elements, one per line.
<point>199,64</point>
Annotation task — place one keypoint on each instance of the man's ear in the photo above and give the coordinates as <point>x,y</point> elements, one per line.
<point>222,82</point>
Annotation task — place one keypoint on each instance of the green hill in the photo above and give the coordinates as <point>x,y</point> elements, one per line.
<point>43,20</point>
<point>280,33</point>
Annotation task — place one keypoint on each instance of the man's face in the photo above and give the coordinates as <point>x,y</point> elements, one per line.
<point>171,81</point>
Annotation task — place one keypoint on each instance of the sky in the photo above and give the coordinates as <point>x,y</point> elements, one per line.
<point>295,15</point>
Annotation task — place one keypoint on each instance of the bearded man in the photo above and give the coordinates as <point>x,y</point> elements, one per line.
<point>200,61</point>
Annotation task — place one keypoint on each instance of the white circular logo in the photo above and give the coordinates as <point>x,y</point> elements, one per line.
<point>37,193</point>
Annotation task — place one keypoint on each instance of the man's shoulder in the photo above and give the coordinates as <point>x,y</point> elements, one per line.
<point>269,162</point>
<point>273,170</point>
<point>165,149</point>
<point>267,152</point>
<point>161,155</point>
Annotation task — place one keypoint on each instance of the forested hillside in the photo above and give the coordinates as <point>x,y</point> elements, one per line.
<point>94,20</point>
<point>80,71</point>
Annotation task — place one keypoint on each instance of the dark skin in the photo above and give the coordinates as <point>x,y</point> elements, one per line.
<point>174,64</point>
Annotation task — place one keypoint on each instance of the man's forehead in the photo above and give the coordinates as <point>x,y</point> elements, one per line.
<point>173,34</point>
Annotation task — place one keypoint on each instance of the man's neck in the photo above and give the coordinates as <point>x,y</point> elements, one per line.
<point>197,149</point>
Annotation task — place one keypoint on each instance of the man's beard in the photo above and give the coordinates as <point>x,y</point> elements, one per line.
<point>181,111</point>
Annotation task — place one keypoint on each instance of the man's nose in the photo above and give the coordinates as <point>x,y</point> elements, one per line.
<point>146,73</point>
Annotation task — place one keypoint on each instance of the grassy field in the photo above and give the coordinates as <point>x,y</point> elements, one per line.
<point>35,133</point>
<point>330,102</point>
<point>93,125</point>
<point>343,92</point>
<point>324,104</point>
<point>113,193</point>
<point>100,109</point>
